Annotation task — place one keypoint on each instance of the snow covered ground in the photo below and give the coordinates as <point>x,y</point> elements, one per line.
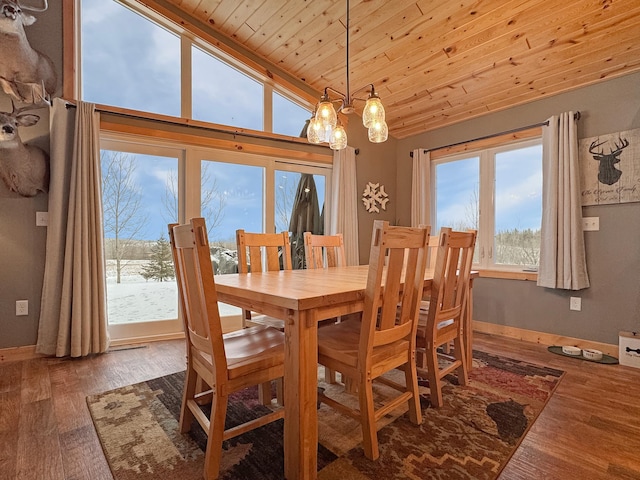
<point>135,299</point>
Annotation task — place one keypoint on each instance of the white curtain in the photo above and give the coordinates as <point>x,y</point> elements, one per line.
<point>73,319</point>
<point>562,254</point>
<point>421,188</point>
<point>344,202</point>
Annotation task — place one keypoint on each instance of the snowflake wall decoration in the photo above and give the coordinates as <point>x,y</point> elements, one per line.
<point>373,195</point>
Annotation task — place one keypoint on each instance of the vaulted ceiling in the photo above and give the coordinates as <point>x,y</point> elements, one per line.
<point>437,62</point>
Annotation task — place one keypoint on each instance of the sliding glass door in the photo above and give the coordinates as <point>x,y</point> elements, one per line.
<point>149,185</point>
<point>140,197</point>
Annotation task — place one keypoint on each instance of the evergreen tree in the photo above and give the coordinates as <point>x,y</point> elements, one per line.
<point>160,266</point>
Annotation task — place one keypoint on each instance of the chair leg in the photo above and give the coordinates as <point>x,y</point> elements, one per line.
<point>329,375</point>
<point>189,392</point>
<point>264,393</point>
<point>349,385</point>
<point>435,386</point>
<point>215,436</point>
<point>461,356</point>
<point>421,358</point>
<point>280,391</point>
<point>368,420</point>
<point>411,379</point>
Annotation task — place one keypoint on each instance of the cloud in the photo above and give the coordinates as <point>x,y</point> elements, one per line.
<point>96,11</point>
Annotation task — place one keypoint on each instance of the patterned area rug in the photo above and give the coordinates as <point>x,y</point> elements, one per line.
<point>471,437</point>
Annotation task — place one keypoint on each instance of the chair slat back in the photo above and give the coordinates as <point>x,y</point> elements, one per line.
<point>198,296</point>
<point>434,243</point>
<point>394,291</point>
<point>451,277</point>
<point>323,251</point>
<point>181,307</point>
<point>275,246</point>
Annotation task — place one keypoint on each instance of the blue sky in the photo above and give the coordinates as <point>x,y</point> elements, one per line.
<point>518,188</point>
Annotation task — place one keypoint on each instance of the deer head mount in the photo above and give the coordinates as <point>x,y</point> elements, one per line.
<point>25,74</point>
<point>607,172</point>
<point>23,168</point>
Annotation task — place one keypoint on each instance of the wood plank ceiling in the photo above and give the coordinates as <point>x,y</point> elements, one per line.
<point>437,62</point>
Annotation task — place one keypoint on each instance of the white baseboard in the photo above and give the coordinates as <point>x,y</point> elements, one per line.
<point>542,338</point>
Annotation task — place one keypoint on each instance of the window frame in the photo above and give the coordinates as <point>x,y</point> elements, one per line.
<point>190,157</point>
<point>486,149</point>
<point>191,33</point>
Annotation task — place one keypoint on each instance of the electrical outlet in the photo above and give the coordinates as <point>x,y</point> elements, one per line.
<point>575,303</point>
<point>42,219</point>
<point>22,307</point>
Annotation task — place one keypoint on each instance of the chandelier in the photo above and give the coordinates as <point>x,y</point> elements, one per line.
<point>325,126</point>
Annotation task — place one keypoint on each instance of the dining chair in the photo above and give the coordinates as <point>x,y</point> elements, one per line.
<point>385,339</point>
<point>324,251</point>
<point>225,363</point>
<point>262,252</point>
<point>440,320</point>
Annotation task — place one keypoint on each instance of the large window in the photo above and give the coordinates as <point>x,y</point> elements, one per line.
<point>148,184</point>
<point>152,65</point>
<point>223,94</point>
<point>497,191</point>
<point>137,68</point>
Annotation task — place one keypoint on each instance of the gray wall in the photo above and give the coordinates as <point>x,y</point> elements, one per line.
<point>376,164</point>
<point>612,303</point>
<point>22,244</point>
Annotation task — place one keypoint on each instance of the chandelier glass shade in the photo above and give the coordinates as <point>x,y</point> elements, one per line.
<point>338,138</point>
<point>373,110</point>
<point>315,131</point>
<point>324,125</point>
<point>378,132</point>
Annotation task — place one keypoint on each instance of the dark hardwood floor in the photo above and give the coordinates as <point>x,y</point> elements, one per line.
<point>589,430</point>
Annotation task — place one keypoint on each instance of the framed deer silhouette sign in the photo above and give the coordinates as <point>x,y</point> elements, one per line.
<point>610,168</point>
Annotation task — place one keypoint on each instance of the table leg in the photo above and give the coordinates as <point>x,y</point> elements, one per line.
<point>300,396</point>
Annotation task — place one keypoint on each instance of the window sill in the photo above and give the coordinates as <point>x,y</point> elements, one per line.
<point>509,275</point>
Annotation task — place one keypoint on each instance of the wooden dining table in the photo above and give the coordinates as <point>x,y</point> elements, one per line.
<point>302,298</point>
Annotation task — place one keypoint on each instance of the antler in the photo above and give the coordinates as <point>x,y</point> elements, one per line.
<point>35,9</point>
<point>15,112</point>
<point>624,143</point>
<point>595,144</point>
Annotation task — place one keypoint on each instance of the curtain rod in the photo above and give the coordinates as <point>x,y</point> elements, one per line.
<point>576,116</point>
<point>189,125</point>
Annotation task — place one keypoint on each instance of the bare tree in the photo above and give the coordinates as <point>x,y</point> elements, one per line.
<point>212,204</point>
<point>472,210</point>
<point>121,201</point>
<point>285,195</point>
<point>471,214</point>
<point>518,247</point>
<point>512,247</point>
